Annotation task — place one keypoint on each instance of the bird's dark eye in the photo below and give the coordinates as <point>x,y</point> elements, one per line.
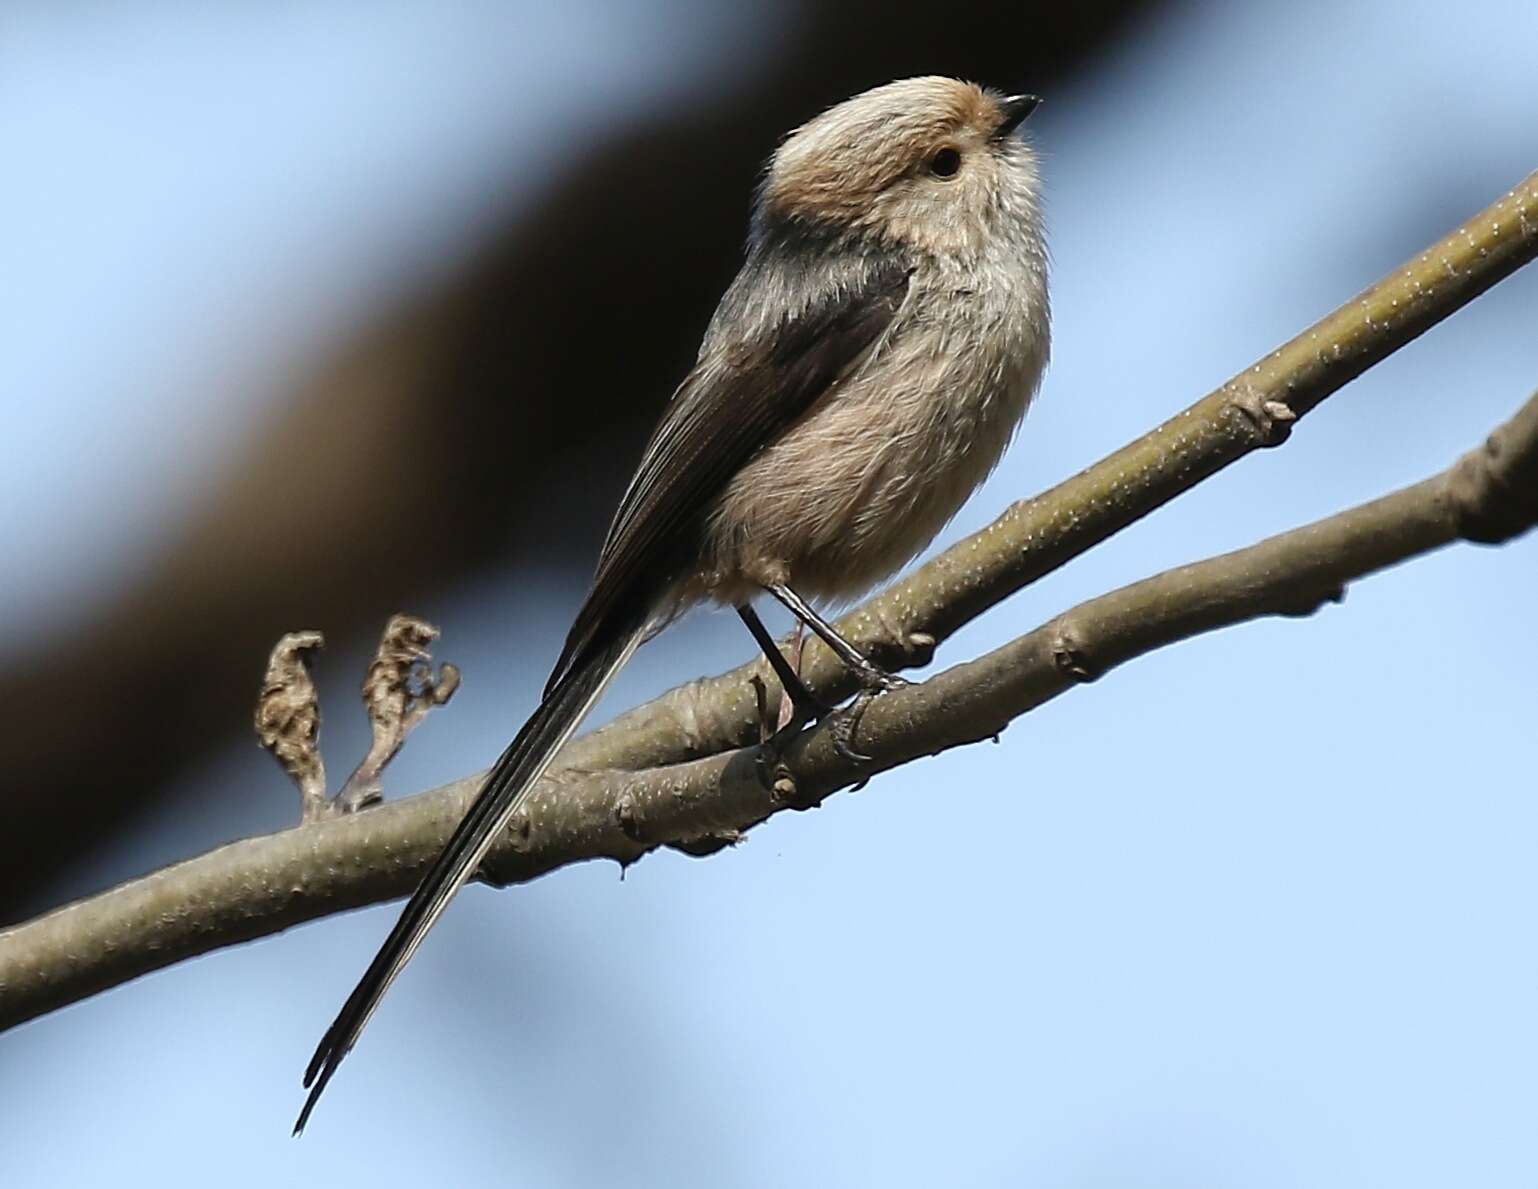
<point>945,164</point>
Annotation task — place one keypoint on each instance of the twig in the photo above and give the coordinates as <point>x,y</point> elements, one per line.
<point>262,885</point>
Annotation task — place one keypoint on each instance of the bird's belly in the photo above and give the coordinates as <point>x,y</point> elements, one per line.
<point>863,482</point>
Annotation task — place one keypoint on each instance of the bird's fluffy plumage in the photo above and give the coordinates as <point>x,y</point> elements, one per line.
<point>861,376</point>
<point>869,474</point>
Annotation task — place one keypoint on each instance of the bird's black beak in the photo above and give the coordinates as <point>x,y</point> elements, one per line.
<point>1014,109</point>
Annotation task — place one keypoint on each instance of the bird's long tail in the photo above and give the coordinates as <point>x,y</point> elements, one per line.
<point>564,707</point>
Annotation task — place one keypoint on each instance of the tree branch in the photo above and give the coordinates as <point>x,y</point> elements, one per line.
<point>623,790</point>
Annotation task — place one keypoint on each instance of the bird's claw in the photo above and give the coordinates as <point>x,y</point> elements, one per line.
<point>842,723</point>
<point>879,681</point>
<point>842,726</point>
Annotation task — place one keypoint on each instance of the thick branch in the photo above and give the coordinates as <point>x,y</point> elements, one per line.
<point>262,885</point>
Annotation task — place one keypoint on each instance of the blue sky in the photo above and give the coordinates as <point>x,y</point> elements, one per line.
<point>1253,911</point>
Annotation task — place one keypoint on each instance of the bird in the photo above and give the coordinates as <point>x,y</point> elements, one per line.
<point>862,374</point>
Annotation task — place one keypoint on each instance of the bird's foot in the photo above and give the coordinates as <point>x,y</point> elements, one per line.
<point>806,709</point>
<point>800,707</point>
<point>874,681</point>
<point>814,711</point>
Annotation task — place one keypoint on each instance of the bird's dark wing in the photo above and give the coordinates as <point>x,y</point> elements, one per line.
<point>738,398</point>
<point>741,395</point>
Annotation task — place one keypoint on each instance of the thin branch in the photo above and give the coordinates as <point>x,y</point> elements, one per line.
<point>262,885</point>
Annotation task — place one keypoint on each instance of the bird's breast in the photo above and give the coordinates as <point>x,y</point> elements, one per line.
<point>864,480</point>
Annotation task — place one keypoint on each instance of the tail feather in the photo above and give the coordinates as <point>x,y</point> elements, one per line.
<point>561,711</point>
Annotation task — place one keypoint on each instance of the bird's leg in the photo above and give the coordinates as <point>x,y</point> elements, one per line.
<point>787,703</point>
<point>872,676</point>
<point>808,706</point>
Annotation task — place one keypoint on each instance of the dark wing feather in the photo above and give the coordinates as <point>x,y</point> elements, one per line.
<point>738,398</point>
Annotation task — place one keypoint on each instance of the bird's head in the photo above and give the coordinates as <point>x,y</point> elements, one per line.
<point>931,163</point>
